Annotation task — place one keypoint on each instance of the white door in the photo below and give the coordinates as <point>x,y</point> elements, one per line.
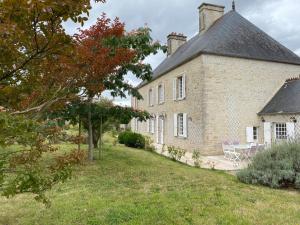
<point>161,130</point>
<point>268,133</point>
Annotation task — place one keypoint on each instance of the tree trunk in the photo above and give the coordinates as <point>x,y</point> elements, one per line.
<point>90,132</point>
<point>79,134</point>
<point>95,138</point>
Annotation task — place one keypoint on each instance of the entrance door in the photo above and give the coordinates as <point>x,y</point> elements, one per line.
<point>160,134</point>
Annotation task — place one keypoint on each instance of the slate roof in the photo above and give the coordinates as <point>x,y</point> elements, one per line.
<point>285,101</point>
<point>231,35</point>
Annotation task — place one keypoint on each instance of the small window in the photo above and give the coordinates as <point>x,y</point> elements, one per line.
<point>281,132</point>
<point>180,124</point>
<point>150,97</point>
<point>136,125</point>
<point>152,125</point>
<point>255,133</point>
<point>180,87</point>
<point>160,94</point>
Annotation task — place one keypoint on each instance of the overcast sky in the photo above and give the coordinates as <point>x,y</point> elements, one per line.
<point>278,18</point>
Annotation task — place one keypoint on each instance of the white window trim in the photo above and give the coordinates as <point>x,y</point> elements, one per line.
<point>151,97</point>
<point>161,95</point>
<point>250,134</point>
<point>176,90</point>
<point>185,125</point>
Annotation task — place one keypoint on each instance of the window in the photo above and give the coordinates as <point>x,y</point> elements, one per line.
<point>252,134</point>
<point>160,94</point>
<point>255,133</point>
<point>281,131</point>
<point>150,97</point>
<point>136,125</point>
<point>180,124</point>
<point>151,125</point>
<point>179,88</point>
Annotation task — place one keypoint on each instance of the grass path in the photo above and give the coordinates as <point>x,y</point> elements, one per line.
<point>136,187</point>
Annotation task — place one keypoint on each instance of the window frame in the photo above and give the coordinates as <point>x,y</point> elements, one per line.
<point>180,125</point>
<point>255,133</point>
<point>281,131</point>
<point>161,97</point>
<point>150,97</point>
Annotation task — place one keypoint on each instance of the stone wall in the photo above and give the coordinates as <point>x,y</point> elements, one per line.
<point>235,91</point>
<point>223,97</point>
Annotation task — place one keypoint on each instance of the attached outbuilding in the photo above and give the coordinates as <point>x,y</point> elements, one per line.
<point>281,116</point>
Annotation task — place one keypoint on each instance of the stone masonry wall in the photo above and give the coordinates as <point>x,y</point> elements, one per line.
<point>223,97</point>
<point>235,91</point>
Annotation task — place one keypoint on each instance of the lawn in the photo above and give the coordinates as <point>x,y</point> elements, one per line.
<point>131,186</point>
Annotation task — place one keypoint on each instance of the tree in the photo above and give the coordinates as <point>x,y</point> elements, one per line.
<point>105,116</point>
<point>31,167</point>
<point>32,38</point>
<point>105,54</point>
<point>34,51</point>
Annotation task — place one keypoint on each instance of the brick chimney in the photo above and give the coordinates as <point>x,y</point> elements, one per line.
<point>175,41</point>
<point>209,13</point>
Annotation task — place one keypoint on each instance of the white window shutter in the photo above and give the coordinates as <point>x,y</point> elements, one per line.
<point>249,134</point>
<point>149,101</point>
<point>183,86</point>
<point>162,131</point>
<point>148,125</point>
<point>175,125</point>
<point>290,131</point>
<point>163,92</point>
<point>157,129</point>
<point>153,125</point>
<point>185,125</point>
<point>268,133</point>
<point>157,94</point>
<point>175,89</point>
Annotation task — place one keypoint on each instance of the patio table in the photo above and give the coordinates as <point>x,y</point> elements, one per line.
<point>243,149</point>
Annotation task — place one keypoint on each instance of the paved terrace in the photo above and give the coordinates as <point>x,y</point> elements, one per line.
<point>208,162</point>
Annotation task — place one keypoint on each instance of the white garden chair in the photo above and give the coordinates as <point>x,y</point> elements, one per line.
<point>230,153</point>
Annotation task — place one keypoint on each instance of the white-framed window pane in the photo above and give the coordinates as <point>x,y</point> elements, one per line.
<point>180,87</point>
<point>255,133</point>
<point>180,124</point>
<point>150,97</point>
<point>281,132</point>
<point>160,94</point>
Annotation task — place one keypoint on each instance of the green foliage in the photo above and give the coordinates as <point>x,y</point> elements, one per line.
<point>131,139</point>
<point>24,168</point>
<point>176,153</point>
<point>105,116</point>
<point>197,158</point>
<point>149,144</point>
<point>277,167</point>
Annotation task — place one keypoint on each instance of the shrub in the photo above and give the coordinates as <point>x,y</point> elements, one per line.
<point>277,167</point>
<point>149,144</point>
<point>176,153</point>
<point>197,158</point>
<point>131,139</point>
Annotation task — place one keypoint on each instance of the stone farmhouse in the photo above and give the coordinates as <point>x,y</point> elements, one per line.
<point>224,84</point>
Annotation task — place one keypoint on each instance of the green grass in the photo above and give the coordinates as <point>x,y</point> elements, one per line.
<point>137,187</point>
